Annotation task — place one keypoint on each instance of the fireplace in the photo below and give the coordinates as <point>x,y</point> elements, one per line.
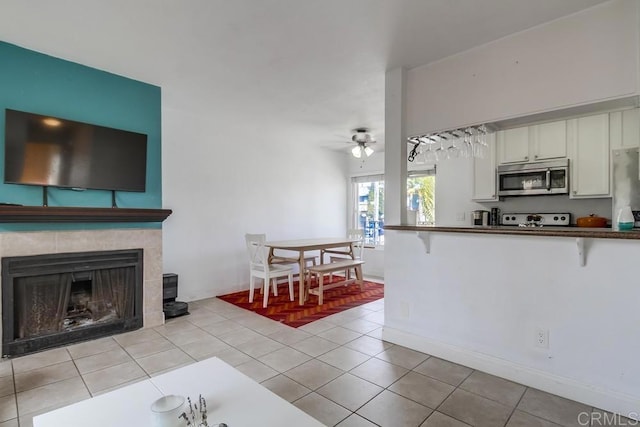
<point>57,299</point>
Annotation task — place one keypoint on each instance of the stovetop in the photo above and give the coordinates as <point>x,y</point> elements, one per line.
<point>562,219</point>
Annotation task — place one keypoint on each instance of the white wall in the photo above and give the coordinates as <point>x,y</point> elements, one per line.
<point>454,188</point>
<point>478,300</point>
<point>583,58</point>
<point>223,180</point>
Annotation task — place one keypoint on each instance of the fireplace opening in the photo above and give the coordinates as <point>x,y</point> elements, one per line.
<point>58,299</point>
<point>84,308</point>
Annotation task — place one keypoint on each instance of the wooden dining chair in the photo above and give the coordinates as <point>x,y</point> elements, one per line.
<point>260,268</point>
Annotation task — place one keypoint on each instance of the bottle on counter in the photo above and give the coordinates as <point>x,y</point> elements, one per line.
<point>625,218</point>
<point>494,218</point>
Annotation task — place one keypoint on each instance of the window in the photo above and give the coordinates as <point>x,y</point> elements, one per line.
<point>421,186</point>
<point>368,202</point>
<point>369,207</point>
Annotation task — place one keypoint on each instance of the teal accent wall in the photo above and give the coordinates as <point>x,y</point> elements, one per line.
<point>41,84</point>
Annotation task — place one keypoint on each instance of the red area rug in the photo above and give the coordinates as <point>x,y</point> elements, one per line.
<point>290,313</point>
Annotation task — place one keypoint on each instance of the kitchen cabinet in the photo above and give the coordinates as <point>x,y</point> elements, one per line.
<point>588,138</point>
<point>513,145</point>
<point>484,173</point>
<point>533,143</point>
<point>624,129</point>
<point>548,140</point>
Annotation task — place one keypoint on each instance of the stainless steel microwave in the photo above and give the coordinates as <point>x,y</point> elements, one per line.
<point>528,179</point>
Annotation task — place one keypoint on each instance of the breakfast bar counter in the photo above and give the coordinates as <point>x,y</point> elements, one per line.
<point>540,306</point>
<point>576,232</point>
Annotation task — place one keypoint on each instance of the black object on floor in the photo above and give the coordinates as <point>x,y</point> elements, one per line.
<point>175,309</point>
<point>170,306</point>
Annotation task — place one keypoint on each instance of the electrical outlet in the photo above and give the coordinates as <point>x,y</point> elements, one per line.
<point>460,216</point>
<point>542,338</point>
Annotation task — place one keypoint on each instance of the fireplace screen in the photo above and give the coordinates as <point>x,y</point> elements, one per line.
<point>63,298</point>
<point>56,302</point>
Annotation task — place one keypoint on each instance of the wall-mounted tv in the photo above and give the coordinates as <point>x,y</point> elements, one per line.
<point>50,151</point>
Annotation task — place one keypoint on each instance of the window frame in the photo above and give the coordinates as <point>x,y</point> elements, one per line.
<point>354,222</point>
<point>418,173</point>
<point>354,217</point>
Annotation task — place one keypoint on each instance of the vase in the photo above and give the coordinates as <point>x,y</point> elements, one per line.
<point>625,218</point>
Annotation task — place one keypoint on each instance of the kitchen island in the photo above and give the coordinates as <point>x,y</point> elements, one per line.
<point>552,308</point>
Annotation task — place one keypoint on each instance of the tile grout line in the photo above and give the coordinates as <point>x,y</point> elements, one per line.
<point>15,393</point>
<point>518,403</point>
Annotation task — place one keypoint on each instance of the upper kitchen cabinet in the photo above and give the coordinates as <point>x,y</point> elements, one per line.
<point>484,173</point>
<point>624,128</point>
<point>513,145</point>
<point>548,140</point>
<point>533,143</point>
<point>588,139</point>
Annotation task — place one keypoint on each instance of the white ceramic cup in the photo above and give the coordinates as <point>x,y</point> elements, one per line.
<point>166,410</point>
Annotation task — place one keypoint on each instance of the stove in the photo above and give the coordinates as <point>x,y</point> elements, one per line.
<point>537,220</point>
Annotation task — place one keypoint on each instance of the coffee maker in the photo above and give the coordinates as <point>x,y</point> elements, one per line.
<point>480,217</point>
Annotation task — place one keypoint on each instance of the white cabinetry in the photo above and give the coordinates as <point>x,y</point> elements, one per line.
<point>484,173</point>
<point>588,139</point>
<point>624,129</point>
<point>533,143</point>
<point>548,140</point>
<point>513,145</point>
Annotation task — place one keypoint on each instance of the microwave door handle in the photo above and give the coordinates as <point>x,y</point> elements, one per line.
<point>548,179</point>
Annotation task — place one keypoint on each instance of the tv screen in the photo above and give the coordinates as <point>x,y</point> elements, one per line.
<point>50,151</point>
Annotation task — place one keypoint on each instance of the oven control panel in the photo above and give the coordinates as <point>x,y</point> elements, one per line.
<point>537,219</point>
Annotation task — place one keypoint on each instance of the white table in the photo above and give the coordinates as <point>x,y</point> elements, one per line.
<point>232,398</point>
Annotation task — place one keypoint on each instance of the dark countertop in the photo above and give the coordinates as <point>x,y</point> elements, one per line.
<point>598,233</point>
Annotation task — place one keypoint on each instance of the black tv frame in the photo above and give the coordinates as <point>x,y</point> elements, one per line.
<point>87,136</point>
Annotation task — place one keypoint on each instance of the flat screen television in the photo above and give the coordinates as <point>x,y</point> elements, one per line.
<point>50,151</point>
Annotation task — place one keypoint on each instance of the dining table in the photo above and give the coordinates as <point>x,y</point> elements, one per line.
<point>306,245</point>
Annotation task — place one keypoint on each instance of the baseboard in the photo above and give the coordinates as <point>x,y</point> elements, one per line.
<point>620,403</point>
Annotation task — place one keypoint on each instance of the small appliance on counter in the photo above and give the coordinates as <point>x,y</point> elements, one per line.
<point>494,217</point>
<point>480,217</point>
<point>537,220</point>
<point>626,188</point>
<point>170,306</point>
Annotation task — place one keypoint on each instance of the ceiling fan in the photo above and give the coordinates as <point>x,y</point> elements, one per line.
<point>363,139</point>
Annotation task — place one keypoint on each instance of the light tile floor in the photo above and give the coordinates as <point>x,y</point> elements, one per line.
<point>337,369</point>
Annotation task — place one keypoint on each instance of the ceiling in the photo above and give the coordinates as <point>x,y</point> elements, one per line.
<point>289,68</point>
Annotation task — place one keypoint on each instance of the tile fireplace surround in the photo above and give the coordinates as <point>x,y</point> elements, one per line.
<point>51,242</point>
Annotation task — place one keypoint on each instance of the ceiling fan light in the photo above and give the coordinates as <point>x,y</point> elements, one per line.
<point>368,151</point>
<point>356,151</point>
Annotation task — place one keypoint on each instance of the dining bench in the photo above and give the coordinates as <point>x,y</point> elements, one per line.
<point>333,267</point>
